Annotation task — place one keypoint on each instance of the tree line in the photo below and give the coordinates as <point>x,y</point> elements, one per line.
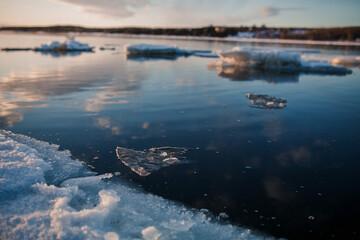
<point>327,34</point>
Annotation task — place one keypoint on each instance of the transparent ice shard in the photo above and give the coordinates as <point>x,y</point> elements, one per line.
<point>145,162</point>
<point>265,101</point>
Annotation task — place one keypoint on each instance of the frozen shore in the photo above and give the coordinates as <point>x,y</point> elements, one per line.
<point>45,194</point>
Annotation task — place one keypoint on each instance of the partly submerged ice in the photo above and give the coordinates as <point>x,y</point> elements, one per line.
<point>265,101</point>
<point>47,195</point>
<point>144,163</point>
<point>278,60</point>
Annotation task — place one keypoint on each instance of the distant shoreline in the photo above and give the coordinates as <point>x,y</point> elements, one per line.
<point>197,38</point>
<point>343,34</point>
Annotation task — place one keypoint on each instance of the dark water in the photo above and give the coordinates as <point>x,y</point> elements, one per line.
<point>292,173</point>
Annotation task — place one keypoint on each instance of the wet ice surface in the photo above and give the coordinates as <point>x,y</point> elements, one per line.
<point>292,173</point>
<point>144,163</point>
<point>266,101</point>
<point>279,60</point>
<point>47,195</point>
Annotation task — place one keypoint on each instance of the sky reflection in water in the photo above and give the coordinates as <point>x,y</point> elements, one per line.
<point>268,169</point>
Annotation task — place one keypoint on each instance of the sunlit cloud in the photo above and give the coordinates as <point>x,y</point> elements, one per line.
<point>266,12</point>
<point>109,8</point>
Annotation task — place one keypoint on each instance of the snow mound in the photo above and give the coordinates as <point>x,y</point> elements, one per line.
<point>265,101</point>
<point>144,163</point>
<point>148,49</point>
<point>25,162</point>
<point>278,60</point>
<point>69,45</point>
<point>59,198</point>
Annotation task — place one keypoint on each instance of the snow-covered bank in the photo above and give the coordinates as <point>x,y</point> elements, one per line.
<point>47,195</point>
<point>278,60</point>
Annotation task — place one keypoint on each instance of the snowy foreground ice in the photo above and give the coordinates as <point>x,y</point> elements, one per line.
<point>47,195</point>
<point>278,60</point>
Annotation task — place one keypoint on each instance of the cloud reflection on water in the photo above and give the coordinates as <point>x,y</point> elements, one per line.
<point>31,88</point>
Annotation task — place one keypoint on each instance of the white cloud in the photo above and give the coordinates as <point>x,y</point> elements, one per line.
<point>274,11</point>
<point>109,8</point>
<point>268,11</point>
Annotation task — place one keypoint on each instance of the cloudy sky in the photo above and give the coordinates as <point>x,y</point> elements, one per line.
<point>181,13</point>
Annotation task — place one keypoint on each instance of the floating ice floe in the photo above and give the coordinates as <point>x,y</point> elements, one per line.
<point>44,194</point>
<point>107,48</point>
<point>159,51</point>
<point>146,58</point>
<point>265,101</point>
<point>206,54</point>
<point>68,45</point>
<point>144,163</point>
<point>278,60</point>
<point>16,49</point>
<point>148,49</point>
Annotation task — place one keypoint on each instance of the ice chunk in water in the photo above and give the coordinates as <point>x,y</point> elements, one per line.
<point>266,101</point>
<point>279,60</point>
<point>68,45</point>
<point>144,163</point>
<point>148,49</point>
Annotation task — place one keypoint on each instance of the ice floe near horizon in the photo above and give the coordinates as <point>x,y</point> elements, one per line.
<point>206,54</point>
<point>277,60</point>
<point>144,163</point>
<point>69,45</point>
<point>47,195</point>
<point>151,52</point>
<point>149,49</point>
